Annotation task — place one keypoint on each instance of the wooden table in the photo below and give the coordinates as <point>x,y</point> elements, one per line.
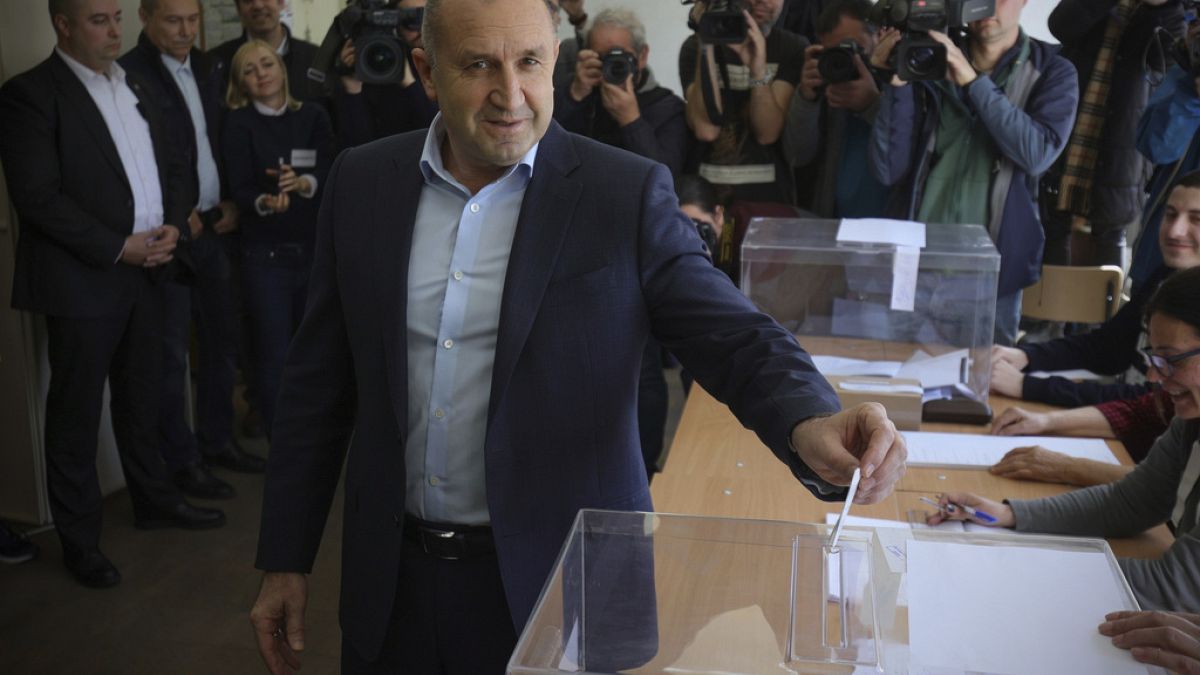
<point>717,468</point>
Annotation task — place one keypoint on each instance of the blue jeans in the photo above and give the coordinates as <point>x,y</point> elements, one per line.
<point>275,286</point>
<point>1008,316</point>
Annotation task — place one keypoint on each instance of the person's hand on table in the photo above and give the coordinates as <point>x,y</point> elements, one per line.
<point>278,620</point>
<point>1035,463</point>
<point>1167,639</point>
<point>863,437</point>
<point>1013,356</point>
<point>1021,422</point>
<point>1007,380</point>
<point>1003,513</point>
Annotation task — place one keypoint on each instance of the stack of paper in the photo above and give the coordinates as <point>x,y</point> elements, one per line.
<point>974,450</point>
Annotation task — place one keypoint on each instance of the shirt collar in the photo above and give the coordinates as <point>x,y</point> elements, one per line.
<point>434,169</point>
<point>85,74</point>
<point>174,65</point>
<point>269,111</point>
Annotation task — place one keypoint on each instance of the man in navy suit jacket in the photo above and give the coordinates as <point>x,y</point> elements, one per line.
<point>538,262</point>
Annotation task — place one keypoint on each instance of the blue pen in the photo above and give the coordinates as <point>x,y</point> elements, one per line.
<point>969,510</point>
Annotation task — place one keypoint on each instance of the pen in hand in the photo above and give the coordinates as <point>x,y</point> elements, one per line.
<point>969,510</point>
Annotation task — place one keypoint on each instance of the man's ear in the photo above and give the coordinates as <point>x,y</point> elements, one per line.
<point>425,72</point>
<point>643,57</point>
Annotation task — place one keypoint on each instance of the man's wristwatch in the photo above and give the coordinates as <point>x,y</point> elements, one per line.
<point>763,81</point>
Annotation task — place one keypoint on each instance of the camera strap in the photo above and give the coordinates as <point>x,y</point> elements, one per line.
<point>706,88</point>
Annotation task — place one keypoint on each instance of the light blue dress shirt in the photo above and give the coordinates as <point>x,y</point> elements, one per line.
<point>206,164</point>
<point>459,258</point>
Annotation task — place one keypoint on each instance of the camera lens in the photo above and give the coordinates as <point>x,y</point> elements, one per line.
<point>923,60</point>
<point>380,59</point>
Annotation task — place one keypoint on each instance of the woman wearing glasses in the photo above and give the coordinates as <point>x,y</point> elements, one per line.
<point>1164,488</point>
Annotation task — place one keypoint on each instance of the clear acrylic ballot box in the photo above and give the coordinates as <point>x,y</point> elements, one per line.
<point>660,593</point>
<point>877,309</point>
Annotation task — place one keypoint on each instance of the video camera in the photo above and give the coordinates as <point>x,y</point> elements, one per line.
<point>618,65</point>
<point>379,54</point>
<point>918,56</point>
<point>722,22</point>
<point>836,64</point>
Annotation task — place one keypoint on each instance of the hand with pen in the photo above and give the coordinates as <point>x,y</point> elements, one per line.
<point>970,507</point>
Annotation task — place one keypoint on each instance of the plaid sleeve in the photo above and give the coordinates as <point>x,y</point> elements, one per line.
<point>1137,422</point>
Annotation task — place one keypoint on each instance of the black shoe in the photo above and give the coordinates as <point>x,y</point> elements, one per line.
<point>15,547</point>
<point>232,457</point>
<point>182,515</point>
<point>196,480</point>
<point>93,570</point>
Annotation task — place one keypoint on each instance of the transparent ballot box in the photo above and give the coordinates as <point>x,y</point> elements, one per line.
<point>876,309</point>
<point>659,593</point>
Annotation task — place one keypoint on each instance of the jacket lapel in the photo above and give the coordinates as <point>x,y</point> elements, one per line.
<point>77,99</point>
<point>546,216</point>
<point>397,194</point>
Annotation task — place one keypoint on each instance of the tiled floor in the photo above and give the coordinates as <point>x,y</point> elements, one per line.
<point>182,606</point>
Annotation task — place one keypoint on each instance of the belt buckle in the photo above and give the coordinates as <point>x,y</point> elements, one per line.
<point>442,537</point>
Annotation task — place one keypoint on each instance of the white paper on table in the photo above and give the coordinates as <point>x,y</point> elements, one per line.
<point>937,371</point>
<point>973,450</point>
<point>905,263</point>
<point>570,659</point>
<point>1012,609</point>
<point>881,387</point>
<point>1077,374</point>
<point>882,231</point>
<point>837,365</point>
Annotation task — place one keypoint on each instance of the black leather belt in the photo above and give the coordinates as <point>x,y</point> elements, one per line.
<point>449,542</point>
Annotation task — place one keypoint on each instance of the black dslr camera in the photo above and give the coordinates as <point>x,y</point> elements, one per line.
<point>618,65</point>
<point>836,64</point>
<point>918,56</point>
<point>379,54</point>
<point>722,22</point>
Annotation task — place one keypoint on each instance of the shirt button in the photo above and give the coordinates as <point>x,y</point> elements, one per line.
<point>433,480</point>
<point>439,413</point>
<point>474,208</point>
<point>448,343</point>
<point>458,275</point>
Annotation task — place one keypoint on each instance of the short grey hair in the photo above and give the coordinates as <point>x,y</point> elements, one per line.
<point>432,21</point>
<point>619,17</point>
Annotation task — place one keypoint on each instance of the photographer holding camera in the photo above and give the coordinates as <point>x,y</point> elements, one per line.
<point>739,71</point>
<point>969,147</point>
<point>1097,185</point>
<point>380,93</point>
<point>615,99</point>
<point>829,121</point>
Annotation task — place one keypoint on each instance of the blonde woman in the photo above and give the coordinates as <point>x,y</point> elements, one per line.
<point>277,151</point>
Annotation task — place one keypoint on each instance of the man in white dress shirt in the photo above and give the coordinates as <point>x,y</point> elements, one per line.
<point>99,204</point>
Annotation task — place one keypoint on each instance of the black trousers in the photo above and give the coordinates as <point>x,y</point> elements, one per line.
<point>450,617</point>
<point>126,350</point>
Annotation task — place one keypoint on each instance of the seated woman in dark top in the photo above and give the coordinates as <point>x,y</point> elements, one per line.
<point>1111,349</point>
<point>1164,488</point>
<point>277,152</point>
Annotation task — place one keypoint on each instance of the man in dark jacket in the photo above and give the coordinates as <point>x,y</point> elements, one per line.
<point>1097,183</point>
<point>98,195</point>
<point>188,93</point>
<point>260,21</point>
<point>969,149</point>
<point>636,114</point>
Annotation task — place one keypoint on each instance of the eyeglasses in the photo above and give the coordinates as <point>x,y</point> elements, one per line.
<point>1165,365</point>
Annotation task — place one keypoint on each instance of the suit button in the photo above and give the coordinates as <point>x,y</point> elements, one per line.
<point>129,203</point>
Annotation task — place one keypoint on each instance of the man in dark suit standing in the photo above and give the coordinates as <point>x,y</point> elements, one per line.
<point>92,190</point>
<point>260,20</point>
<point>480,298</point>
<point>189,96</point>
